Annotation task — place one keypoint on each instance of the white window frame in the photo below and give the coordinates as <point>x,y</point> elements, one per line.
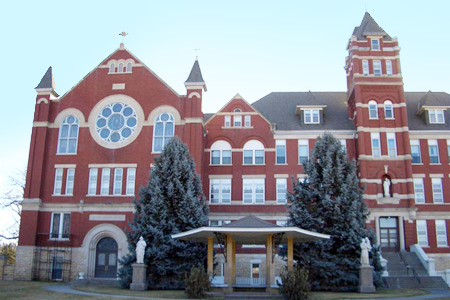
<point>237,120</point>
<point>106,176</point>
<point>68,139</point>
<point>343,145</point>
<point>375,44</point>
<point>60,226</point>
<point>280,146</point>
<point>419,190</point>
<point>129,67</point>
<point>377,70</point>
<point>304,144</point>
<point>365,67</point>
<point>388,108</point>
<point>422,233</point>
<point>389,67</point>
<point>441,233</point>
<point>220,147</point>
<point>120,67</point>
<point>57,188</point>
<point>376,151</point>
<point>253,184</point>
<point>415,144</point>
<point>219,223</point>
<point>392,144</point>
<point>118,181</point>
<point>131,181</point>
<point>222,185</point>
<point>254,147</point>
<point>373,109</point>
<point>436,116</point>
<point>448,150</point>
<point>112,68</point>
<point>433,144</point>
<point>311,116</point>
<point>438,194</point>
<point>227,121</point>
<point>247,121</point>
<point>165,137</point>
<point>93,179</point>
<point>281,223</point>
<point>281,189</point>
<point>70,181</point>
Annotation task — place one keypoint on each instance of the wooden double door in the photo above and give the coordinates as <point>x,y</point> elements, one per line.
<point>389,237</point>
<point>106,258</point>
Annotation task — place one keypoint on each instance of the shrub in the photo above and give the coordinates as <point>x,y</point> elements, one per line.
<point>295,285</point>
<point>197,282</point>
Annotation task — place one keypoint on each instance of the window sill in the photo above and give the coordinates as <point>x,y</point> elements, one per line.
<point>390,119</point>
<point>59,239</point>
<point>66,153</point>
<point>109,195</point>
<point>417,164</point>
<point>60,195</point>
<point>220,165</point>
<point>153,152</point>
<point>432,203</point>
<point>310,123</point>
<point>112,73</point>
<point>253,165</point>
<point>220,203</point>
<point>442,247</point>
<point>237,127</point>
<point>285,164</point>
<point>435,164</point>
<point>373,118</point>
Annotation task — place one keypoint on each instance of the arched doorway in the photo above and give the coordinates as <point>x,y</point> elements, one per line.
<point>106,258</point>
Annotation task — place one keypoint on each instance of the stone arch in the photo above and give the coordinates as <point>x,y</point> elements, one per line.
<point>164,109</point>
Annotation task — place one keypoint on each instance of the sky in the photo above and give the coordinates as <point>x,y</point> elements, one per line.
<point>246,47</point>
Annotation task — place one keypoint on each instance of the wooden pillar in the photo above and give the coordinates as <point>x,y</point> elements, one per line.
<point>229,264</point>
<point>270,274</point>
<point>290,253</point>
<point>233,275</point>
<point>210,256</point>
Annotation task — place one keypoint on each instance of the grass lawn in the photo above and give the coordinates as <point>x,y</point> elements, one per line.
<point>381,293</point>
<point>169,294</point>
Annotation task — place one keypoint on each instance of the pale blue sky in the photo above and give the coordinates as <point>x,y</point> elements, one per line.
<point>250,47</point>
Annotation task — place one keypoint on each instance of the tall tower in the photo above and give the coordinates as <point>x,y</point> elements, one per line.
<point>376,103</point>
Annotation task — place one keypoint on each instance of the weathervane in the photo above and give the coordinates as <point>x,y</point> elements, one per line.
<point>123,34</point>
<point>196,56</point>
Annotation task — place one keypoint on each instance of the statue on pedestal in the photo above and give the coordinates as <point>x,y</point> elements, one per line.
<point>140,250</point>
<point>386,187</point>
<point>365,248</point>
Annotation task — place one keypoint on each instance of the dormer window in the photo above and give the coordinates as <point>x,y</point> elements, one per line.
<point>375,44</point>
<point>436,116</point>
<point>311,116</point>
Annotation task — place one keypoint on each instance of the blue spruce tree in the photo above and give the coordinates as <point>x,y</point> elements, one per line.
<point>330,201</point>
<point>172,202</point>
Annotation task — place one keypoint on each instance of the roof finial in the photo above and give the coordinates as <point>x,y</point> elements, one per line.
<point>123,34</point>
<point>196,55</point>
<point>366,5</point>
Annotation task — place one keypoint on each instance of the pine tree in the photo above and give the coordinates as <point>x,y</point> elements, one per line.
<point>172,202</point>
<point>330,201</point>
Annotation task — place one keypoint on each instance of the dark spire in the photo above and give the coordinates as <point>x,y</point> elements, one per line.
<point>47,81</point>
<point>196,74</point>
<point>369,27</point>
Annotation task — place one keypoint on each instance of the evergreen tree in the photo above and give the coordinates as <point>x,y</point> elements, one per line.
<point>172,202</point>
<point>330,201</point>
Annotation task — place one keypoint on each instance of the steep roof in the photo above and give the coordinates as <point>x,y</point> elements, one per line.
<point>369,27</point>
<point>47,81</point>
<point>415,100</point>
<point>433,99</point>
<point>196,74</point>
<point>250,222</point>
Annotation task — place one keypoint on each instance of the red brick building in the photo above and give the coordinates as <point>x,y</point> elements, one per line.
<point>94,146</point>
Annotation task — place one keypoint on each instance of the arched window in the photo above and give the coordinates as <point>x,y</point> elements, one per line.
<point>129,67</point>
<point>253,153</point>
<point>221,153</point>
<point>388,110</point>
<point>68,135</point>
<point>237,110</point>
<point>163,131</point>
<point>373,110</point>
<point>120,68</point>
<point>112,68</point>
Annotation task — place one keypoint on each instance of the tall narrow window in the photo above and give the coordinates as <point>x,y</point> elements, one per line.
<point>441,233</point>
<point>436,116</point>
<point>365,67</point>
<point>112,68</point>
<point>118,177</point>
<point>129,67</point>
<point>415,152</point>
<point>60,226</point>
<point>419,192</point>
<point>373,110</point>
<point>392,144</point>
<point>227,122</point>
<point>105,181</point>
<point>377,68</point>
<point>422,233</point>
<point>220,191</point>
<point>237,121</point>
<point>388,109</point>
<point>131,180</point>
<point>281,190</point>
<point>343,145</point>
<point>92,188</point>
<point>448,150</point>
<point>375,44</point>
<point>281,151</point>
<point>120,68</point>
<point>303,151</point>
<point>438,197</point>
<point>163,131</point>
<point>376,146</point>
<point>70,181</point>
<point>68,136</point>
<point>58,182</point>
<point>253,191</point>
<point>247,121</point>
<point>389,67</point>
<point>433,151</point>
<point>253,153</point>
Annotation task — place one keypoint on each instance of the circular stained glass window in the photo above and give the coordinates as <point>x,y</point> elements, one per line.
<point>116,122</point>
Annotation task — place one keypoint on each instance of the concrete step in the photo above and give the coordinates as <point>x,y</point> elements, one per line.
<point>405,282</point>
<point>248,295</point>
<point>396,267</point>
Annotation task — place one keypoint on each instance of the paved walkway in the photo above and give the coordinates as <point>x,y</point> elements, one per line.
<point>66,289</point>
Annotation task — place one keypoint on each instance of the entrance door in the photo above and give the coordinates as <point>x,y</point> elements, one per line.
<point>106,258</point>
<point>389,233</point>
<point>256,280</point>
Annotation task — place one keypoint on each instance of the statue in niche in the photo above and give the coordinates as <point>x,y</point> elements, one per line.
<point>140,250</point>
<point>365,248</point>
<point>387,187</point>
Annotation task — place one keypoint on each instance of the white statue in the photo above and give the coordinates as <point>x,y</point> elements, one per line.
<point>140,250</point>
<point>386,187</point>
<point>365,248</point>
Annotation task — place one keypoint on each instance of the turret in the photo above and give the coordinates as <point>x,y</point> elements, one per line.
<point>195,85</point>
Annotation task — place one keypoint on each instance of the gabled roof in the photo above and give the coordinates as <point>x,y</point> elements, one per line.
<point>369,27</point>
<point>250,222</point>
<point>433,99</point>
<point>413,104</point>
<point>47,81</point>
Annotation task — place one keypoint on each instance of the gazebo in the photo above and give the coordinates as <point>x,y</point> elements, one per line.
<point>249,230</point>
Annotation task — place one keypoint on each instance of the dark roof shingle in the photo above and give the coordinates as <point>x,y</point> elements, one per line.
<point>369,27</point>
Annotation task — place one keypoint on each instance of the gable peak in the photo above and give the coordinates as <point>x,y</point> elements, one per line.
<point>369,27</point>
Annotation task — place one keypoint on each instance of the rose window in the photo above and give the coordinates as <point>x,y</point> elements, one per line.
<point>116,122</point>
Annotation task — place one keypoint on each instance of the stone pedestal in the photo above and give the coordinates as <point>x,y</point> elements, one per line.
<point>139,282</point>
<point>366,280</point>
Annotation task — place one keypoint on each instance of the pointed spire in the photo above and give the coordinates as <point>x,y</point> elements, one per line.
<point>369,27</point>
<point>195,77</point>
<point>47,81</point>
